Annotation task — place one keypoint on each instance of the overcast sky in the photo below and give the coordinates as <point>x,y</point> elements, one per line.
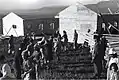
<point>34,4</point>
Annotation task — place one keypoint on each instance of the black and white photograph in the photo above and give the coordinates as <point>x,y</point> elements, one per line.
<point>59,39</point>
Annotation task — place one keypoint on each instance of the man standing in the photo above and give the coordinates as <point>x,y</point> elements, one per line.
<point>103,29</point>
<point>75,39</point>
<point>11,45</point>
<point>18,63</point>
<point>97,60</point>
<point>103,46</point>
<point>65,40</point>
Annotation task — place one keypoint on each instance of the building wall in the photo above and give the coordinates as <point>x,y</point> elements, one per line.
<point>41,25</point>
<point>1,27</point>
<point>80,18</point>
<point>8,22</point>
<point>82,28</point>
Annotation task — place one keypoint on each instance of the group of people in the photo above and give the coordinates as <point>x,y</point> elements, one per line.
<point>108,28</point>
<point>112,64</point>
<point>105,57</point>
<point>32,55</point>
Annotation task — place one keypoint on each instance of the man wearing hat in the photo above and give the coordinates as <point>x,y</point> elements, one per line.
<point>97,57</point>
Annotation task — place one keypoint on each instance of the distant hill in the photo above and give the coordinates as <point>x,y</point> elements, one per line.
<point>103,6</point>
<point>45,12</point>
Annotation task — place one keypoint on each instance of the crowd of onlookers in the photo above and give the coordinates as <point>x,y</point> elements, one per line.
<point>31,55</point>
<point>104,55</point>
<point>106,58</point>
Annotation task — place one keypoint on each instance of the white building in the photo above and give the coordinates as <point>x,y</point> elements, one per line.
<point>82,19</point>
<point>76,16</point>
<point>13,25</point>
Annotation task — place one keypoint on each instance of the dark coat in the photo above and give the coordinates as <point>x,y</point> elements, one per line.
<point>18,62</point>
<point>104,31</point>
<point>49,46</point>
<point>113,31</point>
<point>97,52</point>
<point>75,36</point>
<point>65,37</point>
<point>103,46</point>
